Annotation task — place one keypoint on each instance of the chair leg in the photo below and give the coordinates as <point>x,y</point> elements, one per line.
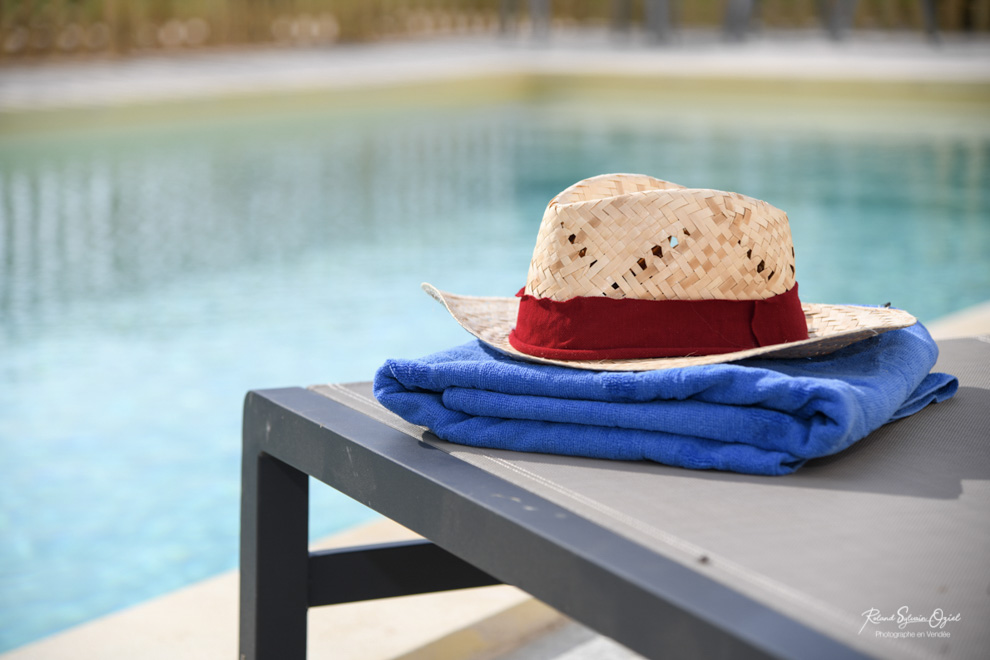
<point>658,24</point>
<point>827,16</point>
<point>274,556</point>
<point>621,16</point>
<point>930,19</point>
<point>737,17</point>
<point>507,16</point>
<point>837,16</point>
<point>539,16</point>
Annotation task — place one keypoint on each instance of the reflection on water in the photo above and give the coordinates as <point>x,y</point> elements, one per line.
<point>102,220</point>
<point>148,279</point>
<point>96,220</point>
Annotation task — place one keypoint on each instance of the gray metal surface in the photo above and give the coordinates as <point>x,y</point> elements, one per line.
<point>900,520</point>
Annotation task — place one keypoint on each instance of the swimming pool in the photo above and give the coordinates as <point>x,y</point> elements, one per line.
<point>152,274</point>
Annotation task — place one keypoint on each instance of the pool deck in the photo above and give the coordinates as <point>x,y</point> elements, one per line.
<point>200,621</point>
<point>908,59</point>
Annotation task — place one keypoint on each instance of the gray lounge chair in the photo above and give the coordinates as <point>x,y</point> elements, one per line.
<point>669,562</point>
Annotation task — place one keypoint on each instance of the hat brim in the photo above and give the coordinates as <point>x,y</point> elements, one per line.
<point>830,327</point>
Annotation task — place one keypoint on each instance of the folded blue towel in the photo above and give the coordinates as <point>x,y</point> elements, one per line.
<point>756,416</point>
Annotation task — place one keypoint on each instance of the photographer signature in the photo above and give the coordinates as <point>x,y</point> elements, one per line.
<point>904,618</point>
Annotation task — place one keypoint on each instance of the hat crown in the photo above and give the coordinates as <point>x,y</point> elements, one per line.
<point>634,236</point>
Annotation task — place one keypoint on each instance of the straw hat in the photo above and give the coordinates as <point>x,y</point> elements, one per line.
<point>631,273</point>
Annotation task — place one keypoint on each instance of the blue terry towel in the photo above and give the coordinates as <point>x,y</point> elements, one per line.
<point>756,416</point>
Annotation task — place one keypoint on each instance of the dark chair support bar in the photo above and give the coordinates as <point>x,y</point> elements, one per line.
<point>388,570</point>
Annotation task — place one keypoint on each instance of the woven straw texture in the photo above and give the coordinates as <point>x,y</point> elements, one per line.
<point>633,236</point>
<point>830,327</point>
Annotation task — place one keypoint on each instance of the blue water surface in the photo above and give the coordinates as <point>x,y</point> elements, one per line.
<point>150,276</point>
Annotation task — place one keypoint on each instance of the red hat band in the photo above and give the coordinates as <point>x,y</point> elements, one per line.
<point>600,328</point>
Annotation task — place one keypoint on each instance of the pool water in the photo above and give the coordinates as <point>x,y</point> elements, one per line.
<point>150,276</point>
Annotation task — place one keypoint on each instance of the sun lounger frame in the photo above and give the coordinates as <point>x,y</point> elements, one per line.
<point>480,530</point>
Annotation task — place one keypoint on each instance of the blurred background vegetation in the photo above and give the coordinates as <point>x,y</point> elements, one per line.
<point>79,28</point>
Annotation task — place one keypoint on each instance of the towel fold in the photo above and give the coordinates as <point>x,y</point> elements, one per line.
<point>755,416</point>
